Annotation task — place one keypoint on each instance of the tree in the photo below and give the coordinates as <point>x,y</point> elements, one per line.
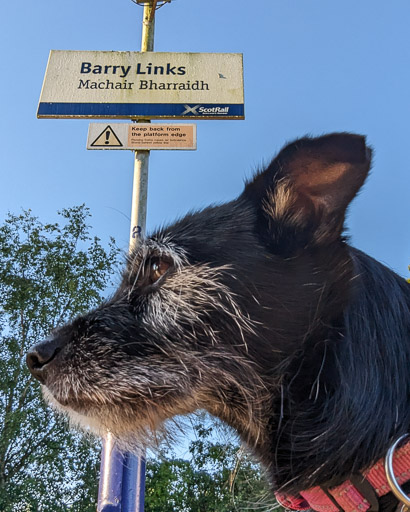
<point>219,476</point>
<point>49,273</point>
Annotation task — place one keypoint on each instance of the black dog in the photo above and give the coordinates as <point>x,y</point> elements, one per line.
<point>260,312</point>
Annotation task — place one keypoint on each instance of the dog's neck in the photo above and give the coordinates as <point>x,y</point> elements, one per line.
<point>337,414</point>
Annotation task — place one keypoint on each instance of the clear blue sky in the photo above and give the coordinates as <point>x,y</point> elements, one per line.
<point>311,66</point>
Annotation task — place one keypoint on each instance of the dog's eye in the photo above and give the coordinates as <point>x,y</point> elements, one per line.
<point>158,269</point>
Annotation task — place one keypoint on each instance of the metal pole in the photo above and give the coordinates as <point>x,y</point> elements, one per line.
<point>140,187</point>
<point>148,26</point>
<point>122,477</point>
<point>139,198</point>
<point>109,491</point>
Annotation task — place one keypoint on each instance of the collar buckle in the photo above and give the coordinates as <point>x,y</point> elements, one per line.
<point>391,478</point>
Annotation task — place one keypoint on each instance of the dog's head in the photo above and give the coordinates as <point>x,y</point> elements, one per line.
<point>210,307</point>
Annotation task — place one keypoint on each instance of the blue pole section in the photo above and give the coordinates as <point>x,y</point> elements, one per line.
<point>111,472</point>
<point>133,484</point>
<point>122,480</point>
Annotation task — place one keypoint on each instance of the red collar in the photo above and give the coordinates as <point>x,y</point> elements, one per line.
<point>355,494</point>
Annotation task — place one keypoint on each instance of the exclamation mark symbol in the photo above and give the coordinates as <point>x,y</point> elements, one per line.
<point>107,136</point>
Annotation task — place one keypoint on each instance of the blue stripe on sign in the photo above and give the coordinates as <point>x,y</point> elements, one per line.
<point>111,110</point>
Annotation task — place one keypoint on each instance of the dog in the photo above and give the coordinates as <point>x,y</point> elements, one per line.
<point>260,312</point>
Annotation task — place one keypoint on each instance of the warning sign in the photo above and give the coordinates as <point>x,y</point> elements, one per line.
<point>106,139</point>
<point>141,136</point>
<point>162,136</point>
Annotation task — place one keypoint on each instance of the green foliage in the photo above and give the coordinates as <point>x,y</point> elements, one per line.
<point>49,273</point>
<point>218,476</point>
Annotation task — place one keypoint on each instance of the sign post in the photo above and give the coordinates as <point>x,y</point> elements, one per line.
<point>122,476</point>
<point>139,86</point>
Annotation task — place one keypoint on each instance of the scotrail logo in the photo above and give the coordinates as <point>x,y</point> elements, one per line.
<point>197,110</point>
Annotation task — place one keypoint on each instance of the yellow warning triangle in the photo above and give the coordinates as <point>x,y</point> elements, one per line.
<point>106,139</point>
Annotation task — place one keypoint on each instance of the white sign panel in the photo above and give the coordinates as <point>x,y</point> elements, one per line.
<point>141,136</point>
<point>142,85</point>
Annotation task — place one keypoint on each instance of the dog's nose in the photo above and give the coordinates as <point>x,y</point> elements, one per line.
<point>40,355</point>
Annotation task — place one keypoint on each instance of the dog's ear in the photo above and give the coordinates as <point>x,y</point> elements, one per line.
<point>302,196</point>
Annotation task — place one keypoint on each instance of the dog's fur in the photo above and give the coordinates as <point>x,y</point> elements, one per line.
<point>264,316</point>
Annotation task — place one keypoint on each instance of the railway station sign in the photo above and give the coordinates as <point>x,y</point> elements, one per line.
<point>142,85</point>
<point>136,136</point>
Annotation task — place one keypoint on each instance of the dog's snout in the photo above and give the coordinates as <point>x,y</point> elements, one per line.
<point>40,355</point>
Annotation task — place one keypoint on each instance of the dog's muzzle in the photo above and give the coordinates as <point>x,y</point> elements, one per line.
<point>40,357</point>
